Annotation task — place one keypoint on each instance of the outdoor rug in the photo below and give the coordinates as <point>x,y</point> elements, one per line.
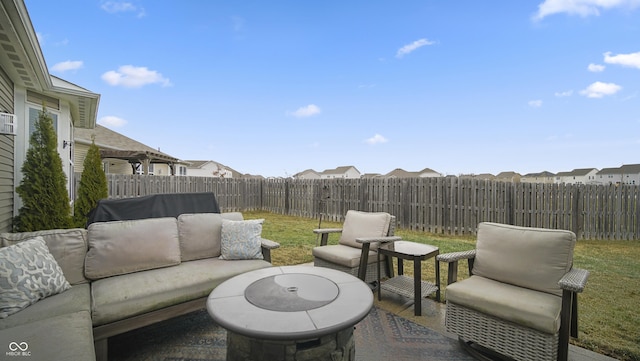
<point>195,337</point>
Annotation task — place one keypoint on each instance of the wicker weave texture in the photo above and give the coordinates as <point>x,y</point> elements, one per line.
<point>372,269</point>
<point>575,280</point>
<point>403,285</point>
<point>456,256</point>
<point>507,338</point>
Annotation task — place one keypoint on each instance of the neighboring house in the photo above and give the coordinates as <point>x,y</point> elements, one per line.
<point>123,155</point>
<point>609,176</point>
<point>482,176</point>
<point>341,172</point>
<point>429,173</point>
<point>252,176</point>
<point>25,85</point>
<point>508,177</point>
<point>307,174</point>
<point>400,173</point>
<point>209,168</point>
<point>577,176</point>
<point>631,174</point>
<point>541,177</point>
<point>371,175</point>
<point>627,174</point>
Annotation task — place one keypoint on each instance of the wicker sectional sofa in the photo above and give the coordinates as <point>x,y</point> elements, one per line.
<point>127,274</point>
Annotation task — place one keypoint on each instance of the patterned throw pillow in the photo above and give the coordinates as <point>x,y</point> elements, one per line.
<point>28,273</point>
<point>241,239</point>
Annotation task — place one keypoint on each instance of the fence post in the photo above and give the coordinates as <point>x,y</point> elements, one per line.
<point>577,214</point>
<point>286,196</point>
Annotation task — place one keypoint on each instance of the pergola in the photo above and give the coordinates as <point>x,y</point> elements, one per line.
<point>142,157</point>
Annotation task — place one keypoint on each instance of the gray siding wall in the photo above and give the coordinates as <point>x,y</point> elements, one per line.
<point>6,157</point>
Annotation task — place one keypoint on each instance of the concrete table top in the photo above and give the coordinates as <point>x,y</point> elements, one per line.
<point>290,302</point>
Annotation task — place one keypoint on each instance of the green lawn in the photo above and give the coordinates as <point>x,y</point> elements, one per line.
<point>609,321</point>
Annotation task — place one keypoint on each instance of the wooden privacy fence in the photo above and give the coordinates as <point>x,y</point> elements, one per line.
<point>447,205</point>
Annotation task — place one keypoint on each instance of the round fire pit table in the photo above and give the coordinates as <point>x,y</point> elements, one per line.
<point>290,313</point>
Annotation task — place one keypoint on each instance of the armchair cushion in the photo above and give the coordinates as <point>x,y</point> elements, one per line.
<point>359,224</point>
<point>533,258</point>
<point>343,255</point>
<point>522,306</point>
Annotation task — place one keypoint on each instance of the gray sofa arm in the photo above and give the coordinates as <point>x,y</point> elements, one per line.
<point>267,246</point>
<point>324,232</point>
<point>452,259</point>
<point>327,230</point>
<point>575,280</point>
<point>572,283</point>
<point>378,239</point>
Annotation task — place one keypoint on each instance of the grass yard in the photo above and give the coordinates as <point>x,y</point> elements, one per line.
<point>609,320</point>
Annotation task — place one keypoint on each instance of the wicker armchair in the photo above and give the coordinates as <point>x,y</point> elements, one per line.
<point>355,252</point>
<point>521,298</point>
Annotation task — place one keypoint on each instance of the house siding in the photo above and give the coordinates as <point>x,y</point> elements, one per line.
<point>6,157</point>
<point>79,153</point>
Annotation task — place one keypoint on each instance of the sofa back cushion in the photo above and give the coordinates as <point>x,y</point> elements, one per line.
<point>122,247</point>
<point>533,258</point>
<point>359,224</point>
<point>199,235</point>
<point>68,247</point>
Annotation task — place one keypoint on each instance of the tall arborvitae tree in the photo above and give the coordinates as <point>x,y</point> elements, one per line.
<point>93,186</point>
<point>43,188</point>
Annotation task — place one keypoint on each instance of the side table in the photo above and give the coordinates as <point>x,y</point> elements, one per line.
<point>404,285</point>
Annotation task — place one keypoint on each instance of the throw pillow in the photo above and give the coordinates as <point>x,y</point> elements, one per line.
<point>28,273</point>
<point>241,239</point>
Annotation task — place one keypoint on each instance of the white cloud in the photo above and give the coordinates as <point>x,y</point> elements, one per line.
<point>631,60</point>
<point>567,93</point>
<point>595,68</point>
<point>376,139</point>
<point>67,65</point>
<point>600,89</point>
<point>130,76</point>
<point>412,47</point>
<point>306,111</point>
<point>113,7</point>
<point>581,8</point>
<point>535,103</point>
<point>111,121</point>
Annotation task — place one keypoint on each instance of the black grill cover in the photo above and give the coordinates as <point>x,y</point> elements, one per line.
<point>153,206</point>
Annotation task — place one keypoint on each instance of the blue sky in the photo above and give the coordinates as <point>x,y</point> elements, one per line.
<point>277,87</point>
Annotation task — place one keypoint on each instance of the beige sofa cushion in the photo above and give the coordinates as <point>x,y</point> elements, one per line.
<point>534,258</point>
<point>359,224</point>
<point>76,299</point>
<point>122,247</point>
<point>121,297</point>
<point>66,337</point>
<point>199,235</point>
<point>68,247</point>
<point>522,306</point>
